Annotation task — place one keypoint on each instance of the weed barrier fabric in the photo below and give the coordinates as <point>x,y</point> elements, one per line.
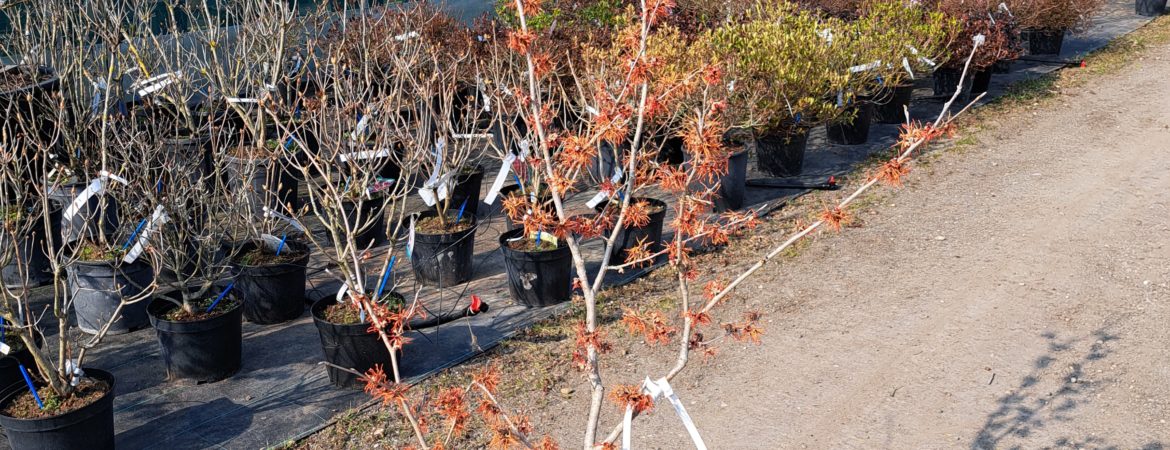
<point>281,393</point>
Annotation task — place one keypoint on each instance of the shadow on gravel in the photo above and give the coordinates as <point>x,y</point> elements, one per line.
<point>1033,405</point>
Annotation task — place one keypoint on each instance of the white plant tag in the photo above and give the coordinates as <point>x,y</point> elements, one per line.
<point>906,65</point>
<point>410,239</point>
<point>602,196</point>
<point>291,221</point>
<point>473,136</point>
<point>865,67</point>
<point>501,177</point>
<point>157,219</point>
<point>592,110</point>
<point>364,154</point>
<point>4,348</point>
<point>97,186</point>
<point>827,35</point>
<point>525,147</point>
<point>271,241</point>
<point>362,124</point>
<point>341,292</point>
<point>242,100</point>
<point>405,36</point>
<point>428,195</point>
<point>155,83</point>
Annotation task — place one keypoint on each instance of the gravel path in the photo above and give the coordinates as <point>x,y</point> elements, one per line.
<point>1015,295</point>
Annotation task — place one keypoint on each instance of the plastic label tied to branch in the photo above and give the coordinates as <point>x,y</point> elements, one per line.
<point>155,83</point>
<point>655,389</point>
<point>865,67</point>
<point>604,195</point>
<point>97,186</point>
<point>364,154</point>
<point>500,179</point>
<point>427,192</point>
<point>268,212</point>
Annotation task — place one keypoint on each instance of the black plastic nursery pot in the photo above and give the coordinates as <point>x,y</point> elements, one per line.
<point>273,293</point>
<point>444,259</point>
<point>98,287</point>
<point>947,80</point>
<point>29,108</point>
<point>30,259</point>
<point>348,345</point>
<point>467,187</point>
<point>608,159</point>
<point>203,351</point>
<point>370,212</point>
<point>854,131</point>
<point>897,99</point>
<point>981,81</point>
<point>630,236</point>
<point>781,154</point>
<point>1150,8</point>
<point>1044,42</point>
<point>732,185</point>
<point>537,279</point>
<point>97,214</point>
<point>266,183</point>
<point>193,154</point>
<point>90,427</point>
<point>10,365</point>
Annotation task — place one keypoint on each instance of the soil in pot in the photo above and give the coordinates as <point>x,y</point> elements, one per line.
<point>780,153</point>
<point>97,285</point>
<point>539,276</point>
<point>30,259</point>
<point>202,346</point>
<point>443,250</point>
<point>271,285</point>
<point>468,185</point>
<point>347,341</point>
<point>84,421</point>
<point>892,111</point>
<point>1044,42</point>
<point>631,236</point>
<point>1150,8</point>
<point>855,129</point>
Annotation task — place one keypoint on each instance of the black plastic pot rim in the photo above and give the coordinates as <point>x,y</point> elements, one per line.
<point>82,414</point>
<point>273,269</point>
<point>346,329</point>
<point>189,327</point>
<point>546,255</point>
<point>444,237</point>
<point>22,90</point>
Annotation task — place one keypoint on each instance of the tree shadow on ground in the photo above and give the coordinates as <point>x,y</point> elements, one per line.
<point>1033,406</point>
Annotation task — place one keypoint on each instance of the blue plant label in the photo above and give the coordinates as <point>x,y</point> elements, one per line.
<point>157,219</point>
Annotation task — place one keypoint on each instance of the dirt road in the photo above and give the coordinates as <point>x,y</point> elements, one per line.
<point>1016,295</point>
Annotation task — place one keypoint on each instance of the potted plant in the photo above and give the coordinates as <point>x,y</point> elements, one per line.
<point>909,39</point>
<point>270,275</point>
<point>1045,22</point>
<point>1000,42</point>
<point>777,91</point>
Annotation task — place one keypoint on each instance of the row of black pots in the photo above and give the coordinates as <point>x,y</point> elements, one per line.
<point>1150,8</point>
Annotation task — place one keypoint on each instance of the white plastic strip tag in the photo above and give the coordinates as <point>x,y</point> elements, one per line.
<point>501,177</point>
<point>96,103</point>
<point>272,242</point>
<point>405,36</point>
<point>827,35</point>
<point>906,65</point>
<point>5,349</point>
<point>72,368</point>
<point>364,154</point>
<point>341,292</point>
<point>291,221</point>
<point>97,186</point>
<point>473,136</point>
<point>427,192</point>
<point>157,219</point>
<point>865,67</point>
<point>662,388</point>
<point>428,195</point>
<point>410,239</point>
<point>487,101</point>
<point>242,100</point>
<point>362,124</point>
<point>602,196</point>
<point>155,83</point>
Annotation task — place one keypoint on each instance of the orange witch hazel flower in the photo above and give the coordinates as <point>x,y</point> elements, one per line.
<point>892,171</point>
<point>629,395</point>
<point>378,386</point>
<point>835,218</point>
<point>652,326</point>
<point>489,377</point>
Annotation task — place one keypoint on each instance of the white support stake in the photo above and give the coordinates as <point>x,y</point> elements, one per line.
<point>157,219</point>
